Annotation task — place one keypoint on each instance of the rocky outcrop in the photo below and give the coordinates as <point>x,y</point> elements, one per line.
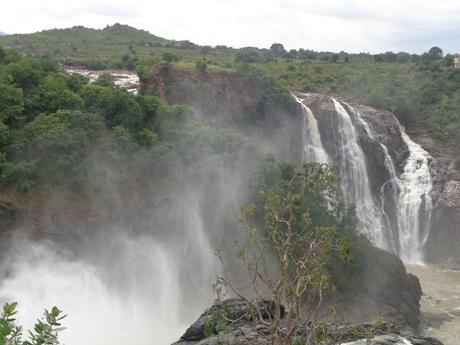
<point>239,329</point>
<point>377,286</point>
<point>236,313</point>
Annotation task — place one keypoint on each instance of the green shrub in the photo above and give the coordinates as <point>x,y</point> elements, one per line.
<point>45,331</point>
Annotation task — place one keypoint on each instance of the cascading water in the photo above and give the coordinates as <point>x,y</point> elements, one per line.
<point>313,148</point>
<point>390,188</point>
<point>411,193</point>
<point>117,286</point>
<point>414,202</point>
<point>408,194</point>
<point>352,167</point>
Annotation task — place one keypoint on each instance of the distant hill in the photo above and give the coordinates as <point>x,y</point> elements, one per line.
<point>3,34</point>
<point>108,45</point>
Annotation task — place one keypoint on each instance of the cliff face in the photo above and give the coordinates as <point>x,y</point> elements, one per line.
<point>231,100</point>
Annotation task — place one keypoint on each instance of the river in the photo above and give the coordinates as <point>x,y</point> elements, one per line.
<point>441,290</point>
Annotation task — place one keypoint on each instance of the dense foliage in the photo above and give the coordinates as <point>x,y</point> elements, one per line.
<point>55,126</point>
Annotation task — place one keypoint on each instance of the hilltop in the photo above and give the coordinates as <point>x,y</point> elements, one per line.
<point>105,46</point>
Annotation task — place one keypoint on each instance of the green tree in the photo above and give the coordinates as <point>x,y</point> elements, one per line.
<point>58,140</point>
<point>201,65</point>
<point>11,102</point>
<point>169,57</point>
<point>277,49</point>
<point>55,95</point>
<point>146,137</point>
<point>435,53</point>
<point>45,331</point>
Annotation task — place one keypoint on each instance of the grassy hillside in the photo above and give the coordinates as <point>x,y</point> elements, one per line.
<point>101,48</point>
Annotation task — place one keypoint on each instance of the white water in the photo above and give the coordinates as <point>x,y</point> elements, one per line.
<point>411,195</point>
<point>414,202</point>
<point>122,288</point>
<point>313,147</point>
<point>392,183</point>
<point>410,192</point>
<point>128,80</point>
<point>355,184</point>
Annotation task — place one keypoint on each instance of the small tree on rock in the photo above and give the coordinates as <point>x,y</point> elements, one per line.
<point>299,249</point>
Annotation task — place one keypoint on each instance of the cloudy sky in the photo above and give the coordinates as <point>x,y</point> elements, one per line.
<point>335,25</point>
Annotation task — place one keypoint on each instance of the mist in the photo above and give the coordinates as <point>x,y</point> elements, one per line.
<point>114,282</point>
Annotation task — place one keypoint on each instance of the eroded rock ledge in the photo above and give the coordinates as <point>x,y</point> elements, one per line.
<point>242,329</point>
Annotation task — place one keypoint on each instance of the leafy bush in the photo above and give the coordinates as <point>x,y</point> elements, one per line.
<point>45,331</point>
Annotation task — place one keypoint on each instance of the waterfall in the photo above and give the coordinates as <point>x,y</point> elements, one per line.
<point>414,202</point>
<point>313,147</point>
<point>406,229</point>
<point>147,283</point>
<point>352,167</point>
<point>389,188</point>
<point>410,192</point>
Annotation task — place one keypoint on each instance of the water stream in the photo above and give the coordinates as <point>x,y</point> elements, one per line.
<point>352,168</point>
<point>313,147</point>
<point>414,202</point>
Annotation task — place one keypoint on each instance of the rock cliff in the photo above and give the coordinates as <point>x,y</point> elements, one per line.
<point>252,105</point>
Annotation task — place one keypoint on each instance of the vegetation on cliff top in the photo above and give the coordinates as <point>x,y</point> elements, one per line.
<point>54,126</point>
<point>421,90</point>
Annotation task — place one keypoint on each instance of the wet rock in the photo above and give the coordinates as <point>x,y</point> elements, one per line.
<point>239,314</point>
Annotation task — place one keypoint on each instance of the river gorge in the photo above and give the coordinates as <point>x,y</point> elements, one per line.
<point>154,259</point>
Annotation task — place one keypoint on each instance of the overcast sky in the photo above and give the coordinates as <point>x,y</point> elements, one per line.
<point>335,25</point>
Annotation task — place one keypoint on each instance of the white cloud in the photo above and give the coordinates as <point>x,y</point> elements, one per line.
<point>350,25</point>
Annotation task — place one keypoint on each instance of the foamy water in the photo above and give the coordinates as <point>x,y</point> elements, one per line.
<point>116,286</point>
<point>132,298</point>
